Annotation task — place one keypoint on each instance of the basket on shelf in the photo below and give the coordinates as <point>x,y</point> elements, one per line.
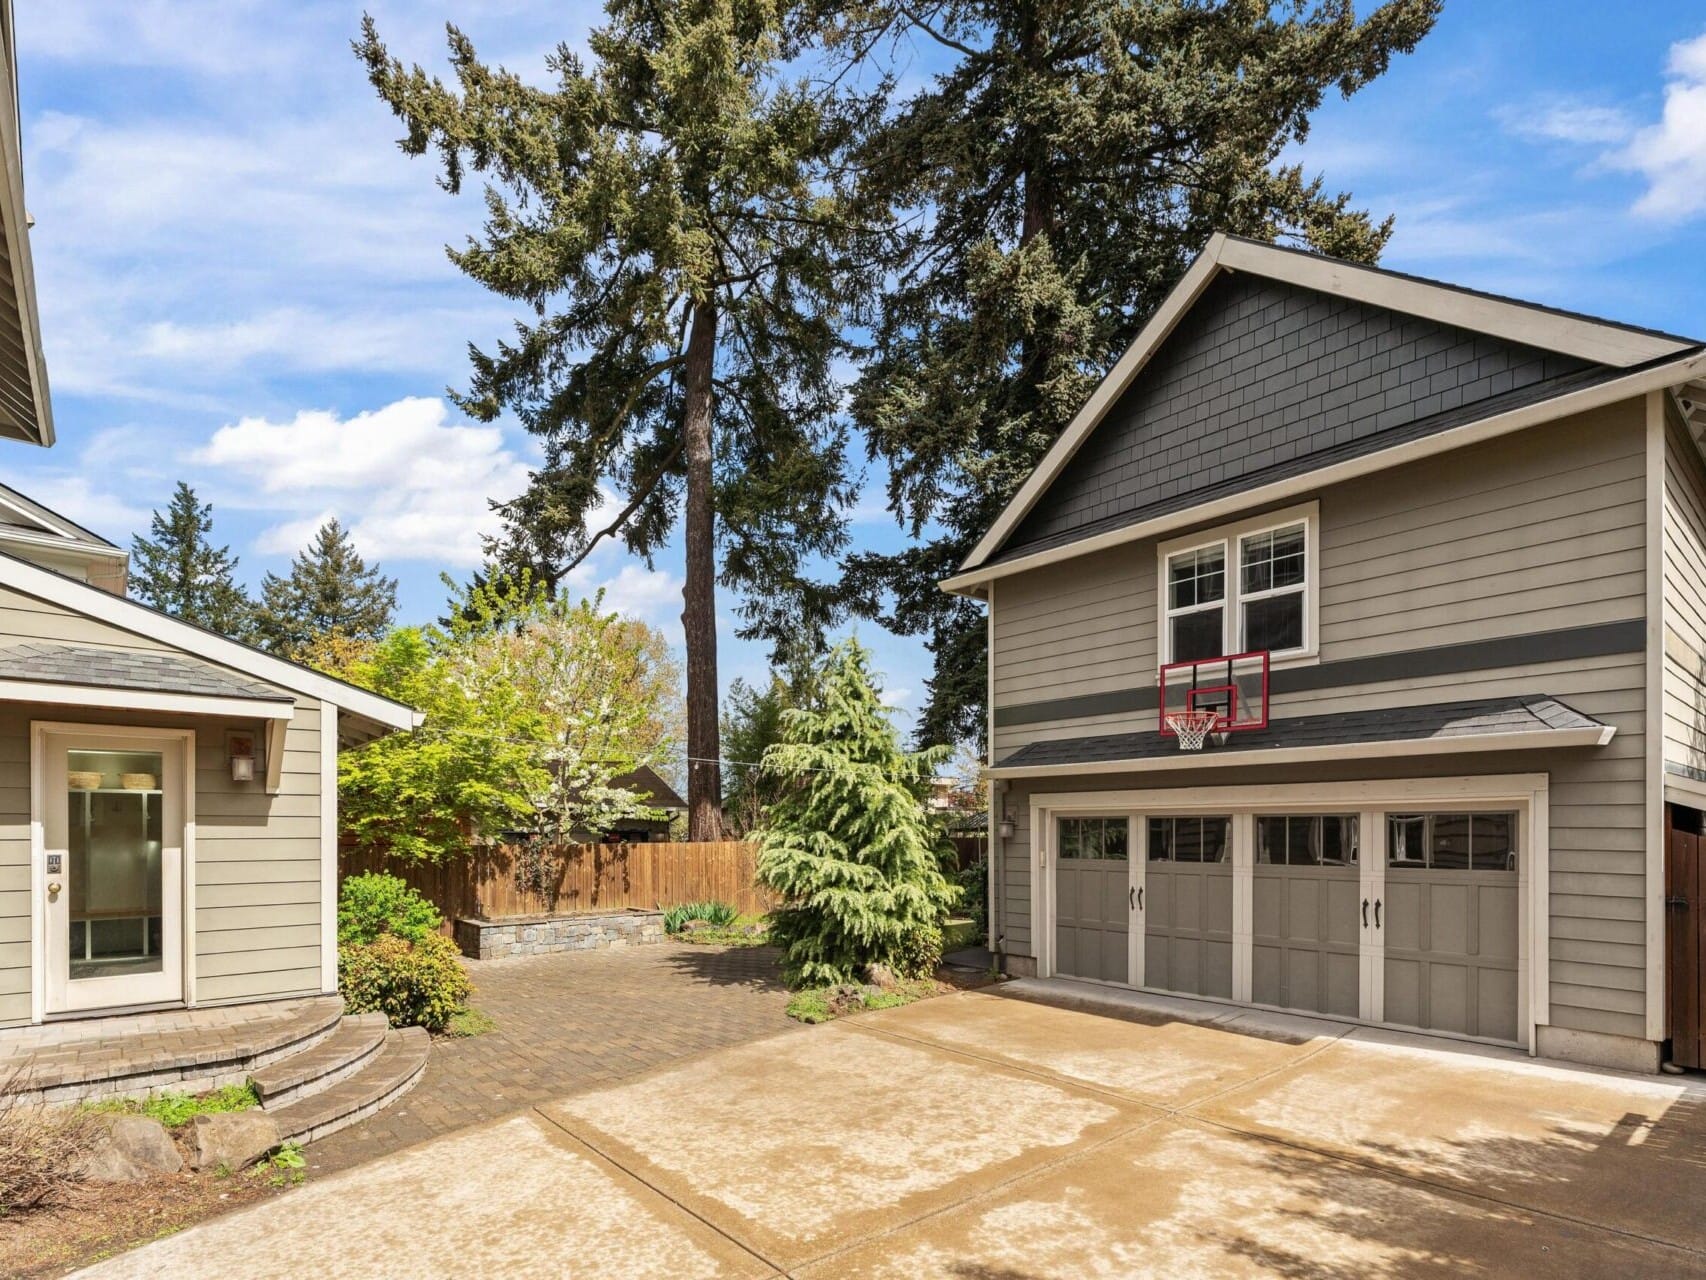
<point>138,781</point>
<point>84,780</point>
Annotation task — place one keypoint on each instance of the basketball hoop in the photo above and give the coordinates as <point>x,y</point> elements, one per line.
<point>1193,727</point>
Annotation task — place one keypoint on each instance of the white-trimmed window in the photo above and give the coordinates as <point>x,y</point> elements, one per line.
<point>1242,587</point>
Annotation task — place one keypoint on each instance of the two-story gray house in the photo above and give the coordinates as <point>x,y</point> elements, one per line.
<point>1429,568</point>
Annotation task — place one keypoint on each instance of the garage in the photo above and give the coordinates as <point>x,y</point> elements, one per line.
<point>1187,909</point>
<point>1094,898</point>
<point>1304,920</point>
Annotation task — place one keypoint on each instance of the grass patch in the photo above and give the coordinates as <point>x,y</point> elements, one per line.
<point>465,1024</point>
<point>825,1004</point>
<point>741,931</point>
<point>175,1110</point>
<point>959,933</point>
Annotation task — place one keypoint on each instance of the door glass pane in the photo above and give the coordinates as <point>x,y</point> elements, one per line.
<point>1450,844</point>
<point>1339,840</point>
<point>1216,838</point>
<point>1071,838</point>
<point>1406,840</point>
<point>1160,839</point>
<point>1492,841</point>
<point>1114,839</point>
<point>1270,841</point>
<point>113,876</point>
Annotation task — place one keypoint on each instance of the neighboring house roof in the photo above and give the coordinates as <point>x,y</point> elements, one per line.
<point>646,781</point>
<point>364,714</point>
<point>32,531</point>
<point>1492,724</point>
<point>1301,371</point>
<point>22,513</point>
<point>26,411</point>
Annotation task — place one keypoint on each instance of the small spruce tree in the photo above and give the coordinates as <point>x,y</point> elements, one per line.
<point>180,571</point>
<point>330,594</point>
<point>850,847</point>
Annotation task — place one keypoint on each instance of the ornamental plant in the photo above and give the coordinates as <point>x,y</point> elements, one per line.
<point>850,847</point>
<point>414,984</point>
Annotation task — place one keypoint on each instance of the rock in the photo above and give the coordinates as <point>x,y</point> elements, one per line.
<point>696,926</point>
<point>881,977</point>
<point>129,1149</point>
<point>235,1139</point>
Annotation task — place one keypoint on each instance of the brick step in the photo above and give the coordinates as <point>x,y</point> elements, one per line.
<point>383,1078</point>
<point>337,1057</point>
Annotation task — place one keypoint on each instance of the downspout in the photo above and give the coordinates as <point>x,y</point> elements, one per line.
<point>997,847</point>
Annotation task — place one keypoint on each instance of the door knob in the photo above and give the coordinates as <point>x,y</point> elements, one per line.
<point>53,888</point>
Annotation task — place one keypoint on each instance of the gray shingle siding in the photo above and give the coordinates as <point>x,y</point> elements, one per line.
<point>1263,379</point>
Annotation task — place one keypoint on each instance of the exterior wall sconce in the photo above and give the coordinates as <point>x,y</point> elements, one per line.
<point>240,749</point>
<point>1006,827</point>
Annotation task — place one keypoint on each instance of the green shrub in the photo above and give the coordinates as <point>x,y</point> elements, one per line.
<point>414,984</point>
<point>375,903</point>
<point>973,881</point>
<point>918,954</point>
<point>720,914</point>
<point>174,1109</point>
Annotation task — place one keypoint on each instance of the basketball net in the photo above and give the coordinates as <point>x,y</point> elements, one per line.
<point>1192,727</point>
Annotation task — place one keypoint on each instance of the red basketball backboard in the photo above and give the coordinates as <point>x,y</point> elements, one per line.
<point>1235,688</point>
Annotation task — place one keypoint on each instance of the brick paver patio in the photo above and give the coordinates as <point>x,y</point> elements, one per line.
<point>570,1020</point>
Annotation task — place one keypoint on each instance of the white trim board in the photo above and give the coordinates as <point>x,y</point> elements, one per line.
<point>1210,758</point>
<point>127,615</point>
<point>84,695</point>
<point>1657,609</point>
<point>974,573</point>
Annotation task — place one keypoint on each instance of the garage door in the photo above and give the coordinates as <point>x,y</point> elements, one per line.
<point>1451,922</point>
<point>1304,913</point>
<point>1092,895</point>
<point>1187,943</point>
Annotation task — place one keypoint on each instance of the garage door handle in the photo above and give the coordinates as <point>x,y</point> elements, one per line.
<point>1377,913</point>
<point>1137,899</point>
<point>1365,913</point>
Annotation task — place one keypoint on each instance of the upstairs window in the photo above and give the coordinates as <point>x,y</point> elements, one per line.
<point>1244,587</point>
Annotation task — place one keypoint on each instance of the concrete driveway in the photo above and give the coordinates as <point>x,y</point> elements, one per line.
<point>990,1136</point>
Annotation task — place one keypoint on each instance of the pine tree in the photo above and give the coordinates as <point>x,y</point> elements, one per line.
<point>180,571</point>
<point>329,594</point>
<point>1067,167</point>
<point>673,212</point>
<point>850,847</point>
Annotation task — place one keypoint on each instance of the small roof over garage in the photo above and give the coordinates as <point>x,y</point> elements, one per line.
<point>1528,721</point>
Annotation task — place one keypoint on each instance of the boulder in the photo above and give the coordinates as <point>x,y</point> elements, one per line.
<point>881,977</point>
<point>129,1149</point>
<point>235,1139</point>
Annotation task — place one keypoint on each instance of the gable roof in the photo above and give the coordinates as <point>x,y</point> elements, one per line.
<point>22,518</point>
<point>378,714</point>
<point>1591,361</point>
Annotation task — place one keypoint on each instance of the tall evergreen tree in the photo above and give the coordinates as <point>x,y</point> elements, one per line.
<point>1059,178</point>
<point>330,594</point>
<point>849,845</point>
<point>673,215</point>
<point>179,570</point>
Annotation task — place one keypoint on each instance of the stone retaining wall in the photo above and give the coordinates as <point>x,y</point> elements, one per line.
<point>536,935</point>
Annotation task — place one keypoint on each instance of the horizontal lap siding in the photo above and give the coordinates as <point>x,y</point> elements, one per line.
<point>257,918</point>
<point>1685,604</point>
<point>1540,531</point>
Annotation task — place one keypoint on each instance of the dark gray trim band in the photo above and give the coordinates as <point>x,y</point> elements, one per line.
<point>1685,771</point>
<point>1601,640</point>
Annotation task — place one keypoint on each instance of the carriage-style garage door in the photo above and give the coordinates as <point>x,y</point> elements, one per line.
<point>1093,898</point>
<point>1304,916</point>
<point>1187,913</point>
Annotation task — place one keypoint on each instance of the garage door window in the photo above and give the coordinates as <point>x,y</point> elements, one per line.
<point>1190,839</point>
<point>1103,838</point>
<point>1452,841</point>
<point>1307,840</point>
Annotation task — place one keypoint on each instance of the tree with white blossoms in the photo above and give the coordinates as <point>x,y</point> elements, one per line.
<point>850,847</point>
<point>605,690</point>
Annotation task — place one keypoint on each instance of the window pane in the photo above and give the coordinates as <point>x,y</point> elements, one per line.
<point>1274,622</point>
<point>1114,839</point>
<point>1406,840</point>
<point>1450,850</point>
<point>1196,577</point>
<point>1301,850</point>
<point>1288,557</point>
<point>1070,838</point>
<point>1339,840</point>
<point>1216,839</point>
<point>1492,842</point>
<point>1187,839</point>
<point>1160,839</point>
<point>1274,559</point>
<point>1270,841</point>
<point>1198,635</point>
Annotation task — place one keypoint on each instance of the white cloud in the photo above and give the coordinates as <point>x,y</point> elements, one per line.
<point>409,483</point>
<point>895,699</point>
<point>1671,154</point>
<point>1568,120</point>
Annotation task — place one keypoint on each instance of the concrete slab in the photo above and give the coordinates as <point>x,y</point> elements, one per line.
<point>1179,1200</point>
<point>516,1198</point>
<point>1141,1052</point>
<point>807,1143</point>
<point>1619,1150</point>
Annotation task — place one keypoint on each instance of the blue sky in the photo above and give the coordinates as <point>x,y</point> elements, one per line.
<point>243,282</point>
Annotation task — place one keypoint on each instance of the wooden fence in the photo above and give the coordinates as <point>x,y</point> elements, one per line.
<point>577,878</point>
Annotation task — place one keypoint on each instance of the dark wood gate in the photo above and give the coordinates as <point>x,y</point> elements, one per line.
<point>1685,937</point>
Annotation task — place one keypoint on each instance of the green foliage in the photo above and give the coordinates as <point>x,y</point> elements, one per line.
<point>1068,164</point>
<point>414,984</point>
<point>465,1024</point>
<point>286,1167</point>
<point>973,880</point>
<point>180,571</point>
<point>175,1109</point>
<point>918,954</point>
<point>825,1004</point>
<point>850,847</point>
<point>330,593</point>
<point>751,725</point>
<point>374,903</point>
<point>810,1005</point>
<point>720,914</point>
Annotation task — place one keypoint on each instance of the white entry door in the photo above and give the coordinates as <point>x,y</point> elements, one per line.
<point>111,809</point>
